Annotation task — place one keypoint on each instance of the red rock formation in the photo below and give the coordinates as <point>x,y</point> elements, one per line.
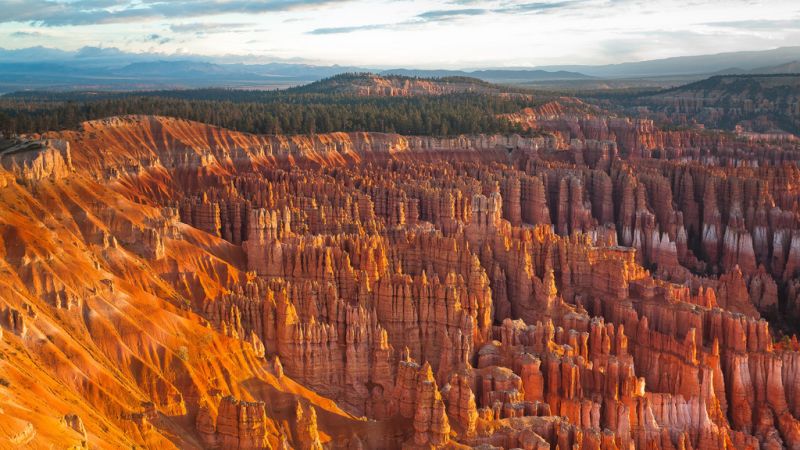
<point>270,291</point>
<point>307,433</point>
<point>31,161</point>
<point>431,426</point>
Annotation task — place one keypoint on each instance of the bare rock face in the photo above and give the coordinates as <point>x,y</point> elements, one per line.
<point>74,422</point>
<point>431,425</point>
<point>31,161</point>
<point>486,217</point>
<point>533,201</point>
<point>206,425</point>
<point>14,321</point>
<point>307,434</point>
<point>461,406</point>
<point>238,424</point>
<point>203,214</point>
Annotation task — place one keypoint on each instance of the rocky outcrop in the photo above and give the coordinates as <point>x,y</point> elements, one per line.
<point>31,161</point>
<point>236,424</point>
<point>307,434</point>
<point>74,422</point>
<point>461,406</point>
<point>14,321</point>
<point>431,425</point>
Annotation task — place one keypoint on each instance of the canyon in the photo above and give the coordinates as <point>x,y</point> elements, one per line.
<point>596,283</point>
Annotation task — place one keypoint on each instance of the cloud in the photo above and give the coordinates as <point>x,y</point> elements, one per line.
<point>446,15</point>
<point>90,12</point>
<point>157,38</point>
<point>758,25</point>
<point>536,7</point>
<point>27,34</point>
<point>341,30</point>
<point>506,8</point>
<point>209,28</point>
<point>439,15</point>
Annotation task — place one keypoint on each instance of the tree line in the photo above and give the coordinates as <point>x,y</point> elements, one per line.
<point>275,112</point>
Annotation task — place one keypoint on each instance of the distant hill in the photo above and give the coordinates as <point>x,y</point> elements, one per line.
<point>790,67</point>
<point>757,103</point>
<point>786,68</point>
<point>753,85</point>
<point>688,65</point>
<point>175,68</point>
<point>386,85</point>
<point>514,76</point>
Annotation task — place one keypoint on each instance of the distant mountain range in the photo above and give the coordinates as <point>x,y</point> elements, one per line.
<point>113,69</point>
<point>493,75</point>
<point>790,67</point>
<point>688,65</point>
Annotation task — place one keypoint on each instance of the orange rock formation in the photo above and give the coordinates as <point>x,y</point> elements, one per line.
<point>605,285</point>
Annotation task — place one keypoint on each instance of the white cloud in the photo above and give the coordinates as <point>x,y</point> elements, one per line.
<point>421,33</point>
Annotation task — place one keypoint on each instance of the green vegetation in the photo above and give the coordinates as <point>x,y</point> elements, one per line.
<point>761,102</point>
<point>333,84</point>
<point>183,353</point>
<point>278,112</point>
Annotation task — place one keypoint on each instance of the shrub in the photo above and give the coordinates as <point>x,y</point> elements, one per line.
<point>183,353</point>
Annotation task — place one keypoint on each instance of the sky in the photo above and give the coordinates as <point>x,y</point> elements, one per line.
<point>418,33</point>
